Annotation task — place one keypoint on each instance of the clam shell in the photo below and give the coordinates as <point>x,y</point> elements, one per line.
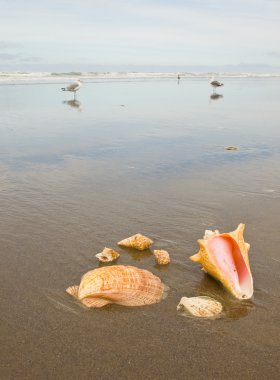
<point>162,257</point>
<point>137,241</point>
<point>108,254</point>
<point>225,257</point>
<point>204,307</point>
<point>121,284</point>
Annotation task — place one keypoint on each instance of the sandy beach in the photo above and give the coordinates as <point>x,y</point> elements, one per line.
<point>127,157</point>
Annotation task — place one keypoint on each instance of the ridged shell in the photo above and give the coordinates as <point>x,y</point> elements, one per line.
<point>225,257</point>
<point>137,241</point>
<point>204,307</point>
<point>121,284</point>
<point>162,257</point>
<point>108,254</point>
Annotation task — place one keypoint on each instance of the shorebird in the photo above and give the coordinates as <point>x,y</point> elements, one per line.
<point>215,83</point>
<point>73,87</point>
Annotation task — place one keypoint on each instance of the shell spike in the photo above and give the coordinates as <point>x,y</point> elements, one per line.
<point>196,257</point>
<point>248,246</point>
<point>238,232</point>
<point>240,228</point>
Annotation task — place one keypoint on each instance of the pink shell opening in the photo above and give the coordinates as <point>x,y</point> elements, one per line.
<point>227,256</point>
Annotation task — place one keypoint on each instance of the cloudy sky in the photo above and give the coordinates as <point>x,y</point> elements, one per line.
<point>60,33</point>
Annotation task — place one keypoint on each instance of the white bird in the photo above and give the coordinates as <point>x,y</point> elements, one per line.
<point>73,87</point>
<point>215,83</point>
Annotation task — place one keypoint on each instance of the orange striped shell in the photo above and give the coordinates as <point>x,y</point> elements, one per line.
<point>121,284</point>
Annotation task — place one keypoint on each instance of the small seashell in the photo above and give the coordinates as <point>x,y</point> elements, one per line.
<point>231,148</point>
<point>203,306</point>
<point>137,241</point>
<point>108,254</point>
<point>121,284</point>
<point>225,257</point>
<point>162,257</point>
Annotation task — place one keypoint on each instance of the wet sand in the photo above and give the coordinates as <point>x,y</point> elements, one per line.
<point>137,157</point>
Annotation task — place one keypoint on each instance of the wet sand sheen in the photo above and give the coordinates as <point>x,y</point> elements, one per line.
<point>73,182</point>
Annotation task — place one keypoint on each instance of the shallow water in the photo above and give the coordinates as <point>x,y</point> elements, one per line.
<point>131,157</point>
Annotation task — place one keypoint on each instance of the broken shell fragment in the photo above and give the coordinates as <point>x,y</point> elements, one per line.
<point>137,241</point>
<point>108,254</point>
<point>204,307</point>
<point>121,284</point>
<point>162,257</point>
<point>225,257</point>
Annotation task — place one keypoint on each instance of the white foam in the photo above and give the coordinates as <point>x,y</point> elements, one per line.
<point>43,77</point>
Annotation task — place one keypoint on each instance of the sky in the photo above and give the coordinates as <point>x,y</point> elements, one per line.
<point>75,34</point>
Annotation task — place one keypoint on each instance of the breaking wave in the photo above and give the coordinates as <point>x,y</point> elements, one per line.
<point>49,77</point>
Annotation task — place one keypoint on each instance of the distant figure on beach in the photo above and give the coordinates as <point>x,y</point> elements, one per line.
<point>215,83</point>
<point>178,78</point>
<point>73,87</point>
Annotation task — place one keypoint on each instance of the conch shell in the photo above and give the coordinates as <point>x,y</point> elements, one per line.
<point>204,307</point>
<point>108,254</point>
<point>225,257</point>
<point>161,256</point>
<point>121,284</point>
<point>137,241</point>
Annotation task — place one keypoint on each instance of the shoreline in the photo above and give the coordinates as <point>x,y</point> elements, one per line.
<point>63,80</point>
<point>54,77</point>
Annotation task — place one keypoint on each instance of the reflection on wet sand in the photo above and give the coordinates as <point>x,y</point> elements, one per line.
<point>74,103</point>
<point>233,308</point>
<point>216,96</point>
<point>137,255</point>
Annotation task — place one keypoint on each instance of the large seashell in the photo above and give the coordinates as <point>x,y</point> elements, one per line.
<point>161,256</point>
<point>137,241</point>
<point>121,284</point>
<point>108,254</point>
<point>203,306</point>
<point>225,257</point>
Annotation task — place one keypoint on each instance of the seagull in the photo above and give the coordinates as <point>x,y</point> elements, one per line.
<point>215,83</point>
<point>73,87</point>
